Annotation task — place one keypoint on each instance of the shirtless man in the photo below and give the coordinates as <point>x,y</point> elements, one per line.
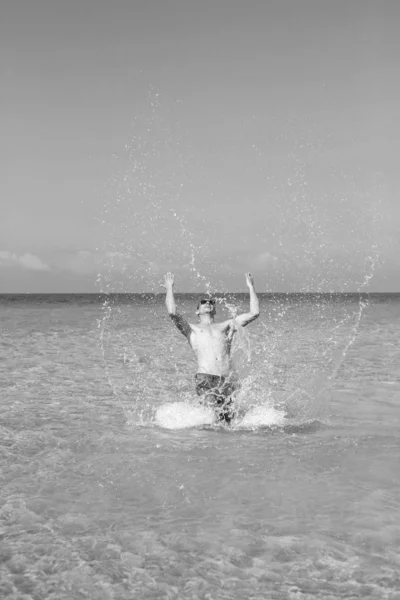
<point>215,379</point>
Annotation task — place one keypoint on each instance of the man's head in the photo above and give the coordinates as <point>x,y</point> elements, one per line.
<point>206,306</point>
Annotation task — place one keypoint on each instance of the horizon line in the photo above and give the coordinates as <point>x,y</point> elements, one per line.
<point>217,294</point>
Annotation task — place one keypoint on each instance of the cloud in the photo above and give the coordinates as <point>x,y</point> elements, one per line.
<point>264,259</point>
<point>26,261</point>
<point>81,262</point>
<point>91,262</point>
<point>94,262</point>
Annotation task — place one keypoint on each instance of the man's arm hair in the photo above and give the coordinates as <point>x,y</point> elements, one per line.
<point>182,324</point>
<point>178,319</point>
<point>246,318</point>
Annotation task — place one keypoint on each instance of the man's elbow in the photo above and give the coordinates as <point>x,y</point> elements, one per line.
<point>254,315</point>
<point>171,309</point>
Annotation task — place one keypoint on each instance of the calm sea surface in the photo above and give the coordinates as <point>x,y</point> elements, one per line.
<point>300,499</point>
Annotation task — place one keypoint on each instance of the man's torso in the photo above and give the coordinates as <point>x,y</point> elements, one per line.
<point>212,346</point>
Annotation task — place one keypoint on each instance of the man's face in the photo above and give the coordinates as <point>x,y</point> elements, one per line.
<point>206,307</point>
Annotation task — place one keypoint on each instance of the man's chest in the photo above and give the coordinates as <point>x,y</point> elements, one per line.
<point>208,336</point>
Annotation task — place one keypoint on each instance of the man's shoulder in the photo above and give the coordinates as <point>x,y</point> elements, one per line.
<point>224,324</point>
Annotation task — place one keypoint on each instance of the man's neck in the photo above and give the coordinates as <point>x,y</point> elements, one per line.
<point>206,320</point>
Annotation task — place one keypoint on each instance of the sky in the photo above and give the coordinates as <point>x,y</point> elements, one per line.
<point>204,138</point>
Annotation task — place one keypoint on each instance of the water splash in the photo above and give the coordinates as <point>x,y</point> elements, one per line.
<point>364,302</point>
<point>146,214</point>
<point>104,327</point>
<point>193,250</point>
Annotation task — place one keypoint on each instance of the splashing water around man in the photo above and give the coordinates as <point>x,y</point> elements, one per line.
<point>216,379</point>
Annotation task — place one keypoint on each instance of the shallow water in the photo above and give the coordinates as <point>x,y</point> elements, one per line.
<point>97,501</point>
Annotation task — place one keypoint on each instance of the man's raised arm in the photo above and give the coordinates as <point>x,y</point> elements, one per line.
<point>247,318</point>
<point>179,321</point>
<point>169,298</point>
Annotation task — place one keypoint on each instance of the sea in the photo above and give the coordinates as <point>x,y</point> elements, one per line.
<point>116,485</point>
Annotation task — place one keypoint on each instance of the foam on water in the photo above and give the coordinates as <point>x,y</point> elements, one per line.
<point>180,415</point>
<point>262,416</point>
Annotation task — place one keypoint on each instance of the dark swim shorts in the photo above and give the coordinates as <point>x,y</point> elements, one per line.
<point>217,390</point>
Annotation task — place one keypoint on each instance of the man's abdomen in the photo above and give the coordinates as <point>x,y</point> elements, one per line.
<point>214,365</point>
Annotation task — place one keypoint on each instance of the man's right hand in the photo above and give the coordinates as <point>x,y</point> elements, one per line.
<point>168,281</point>
<point>249,280</point>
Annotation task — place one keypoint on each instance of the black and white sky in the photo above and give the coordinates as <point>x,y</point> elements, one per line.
<point>207,138</point>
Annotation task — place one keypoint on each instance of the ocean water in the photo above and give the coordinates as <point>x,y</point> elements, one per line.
<point>112,486</point>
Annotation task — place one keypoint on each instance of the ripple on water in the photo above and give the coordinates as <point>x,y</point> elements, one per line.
<point>91,507</point>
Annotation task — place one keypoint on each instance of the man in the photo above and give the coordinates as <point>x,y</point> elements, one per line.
<point>215,379</point>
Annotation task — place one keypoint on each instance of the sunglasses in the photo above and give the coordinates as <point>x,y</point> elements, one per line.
<point>206,301</point>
